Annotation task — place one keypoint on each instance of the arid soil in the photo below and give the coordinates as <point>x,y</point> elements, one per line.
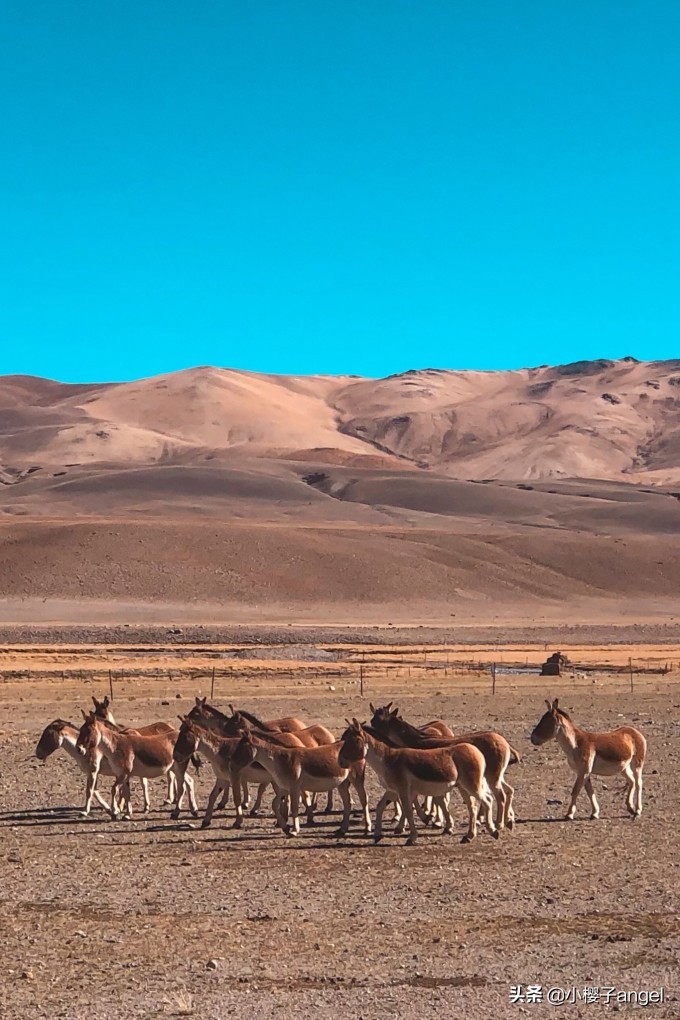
<point>152,918</point>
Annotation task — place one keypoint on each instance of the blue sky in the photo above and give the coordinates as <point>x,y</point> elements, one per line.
<point>361,187</point>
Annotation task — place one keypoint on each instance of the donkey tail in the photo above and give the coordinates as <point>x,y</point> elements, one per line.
<point>515,756</point>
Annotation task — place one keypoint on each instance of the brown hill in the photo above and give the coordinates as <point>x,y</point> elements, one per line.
<point>423,496</point>
<point>598,419</point>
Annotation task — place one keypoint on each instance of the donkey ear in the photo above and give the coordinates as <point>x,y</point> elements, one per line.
<point>232,709</point>
<point>389,704</point>
<point>182,718</point>
<point>549,704</point>
<point>86,715</point>
<point>96,703</point>
<point>395,712</point>
<point>106,701</point>
<point>372,707</point>
<point>554,704</point>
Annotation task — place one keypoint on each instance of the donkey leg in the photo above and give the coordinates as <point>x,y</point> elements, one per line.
<point>407,807</point>
<point>487,810</point>
<point>225,797</point>
<point>595,807</point>
<point>631,785</point>
<point>379,811</point>
<point>638,792</point>
<point>578,785</point>
<point>360,789</point>
<point>509,811</point>
<point>343,790</point>
<point>90,791</point>
<point>145,795</point>
<point>189,786</point>
<point>293,829</point>
<point>471,804</point>
<point>255,809</point>
<point>214,794</point>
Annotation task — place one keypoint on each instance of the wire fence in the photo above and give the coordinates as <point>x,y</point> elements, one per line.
<point>364,672</point>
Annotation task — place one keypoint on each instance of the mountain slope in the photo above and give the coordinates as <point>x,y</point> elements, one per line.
<point>598,420</point>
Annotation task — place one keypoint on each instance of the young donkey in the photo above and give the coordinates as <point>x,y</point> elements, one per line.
<point>600,754</point>
<point>129,753</point>
<point>406,773</point>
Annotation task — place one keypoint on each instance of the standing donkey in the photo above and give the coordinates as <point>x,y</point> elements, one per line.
<point>600,754</point>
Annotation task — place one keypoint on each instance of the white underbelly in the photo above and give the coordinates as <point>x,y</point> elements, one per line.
<point>318,784</point>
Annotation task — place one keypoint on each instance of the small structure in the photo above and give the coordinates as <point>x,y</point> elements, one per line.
<point>554,664</point>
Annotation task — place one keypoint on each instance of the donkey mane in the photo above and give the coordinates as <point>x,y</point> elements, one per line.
<point>414,733</point>
<point>379,736</point>
<point>254,721</point>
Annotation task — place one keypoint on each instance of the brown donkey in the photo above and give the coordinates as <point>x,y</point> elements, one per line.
<point>61,734</point>
<point>102,709</point>
<point>296,771</point>
<point>498,754</point>
<point>130,754</point>
<point>220,750</point>
<point>406,773</point>
<point>595,754</point>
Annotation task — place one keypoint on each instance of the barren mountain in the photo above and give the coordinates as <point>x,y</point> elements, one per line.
<point>600,419</point>
<point>424,495</point>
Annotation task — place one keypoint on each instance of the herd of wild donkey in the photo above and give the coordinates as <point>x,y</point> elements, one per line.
<point>417,766</point>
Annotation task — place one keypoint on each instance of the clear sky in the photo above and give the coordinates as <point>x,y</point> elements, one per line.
<point>364,186</point>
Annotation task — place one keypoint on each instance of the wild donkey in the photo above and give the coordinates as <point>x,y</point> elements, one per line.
<point>406,773</point>
<point>497,752</point>
<point>601,754</point>
<point>297,771</point>
<point>129,753</point>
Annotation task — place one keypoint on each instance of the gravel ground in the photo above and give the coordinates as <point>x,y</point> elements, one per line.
<point>262,634</point>
<point>151,918</point>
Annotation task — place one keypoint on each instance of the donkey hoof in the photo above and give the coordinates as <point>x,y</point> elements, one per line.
<point>496,833</point>
<point>466,838</point>
<point>206,824</point>
<point>254,813</point>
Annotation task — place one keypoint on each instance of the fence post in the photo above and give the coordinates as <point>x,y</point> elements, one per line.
<point>361,679</point>
<point>630,668</point>
<point>493,677</point>
<point>111,684</point>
